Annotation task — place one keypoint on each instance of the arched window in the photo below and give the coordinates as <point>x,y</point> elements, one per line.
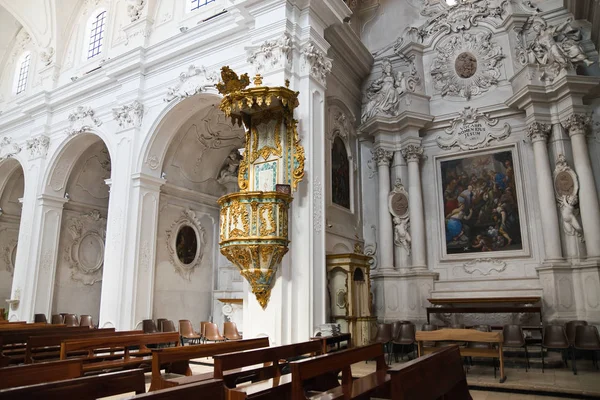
<point>22,72</point>
<point>96,30</point>
<point>196,4</point>
<point>340,174</point>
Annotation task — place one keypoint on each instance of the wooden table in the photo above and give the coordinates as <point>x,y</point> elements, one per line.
<point>489,305</point>
<point>337,339</point>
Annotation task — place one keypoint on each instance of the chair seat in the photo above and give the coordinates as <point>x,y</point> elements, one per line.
<point>510,343</point>
<point>555,345</point>
<point>190,336</point>
<point>586,347</point>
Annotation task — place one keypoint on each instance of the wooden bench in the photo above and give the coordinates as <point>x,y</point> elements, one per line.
<point>176,360</point>
<point>48,347</point>
<point>465,335</point>
<point>23,375</point>
<point>327,341</point>
<point>86,388</point>
<point>434,376</point>
<point>231,367</point>
<point>211,389</point>
<point>376,384</point>
<point>111,344</point>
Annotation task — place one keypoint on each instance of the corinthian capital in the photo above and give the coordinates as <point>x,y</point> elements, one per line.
<point>538,131</point>
<point>577,124</point>
<point>382,156</point>
<point>412,153</point>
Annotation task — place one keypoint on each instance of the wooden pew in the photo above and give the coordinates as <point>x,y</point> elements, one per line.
<point>270,381</point>
<point>176,360</point>
<point>434,376</point>
<point>327,341</point>
<point>211,389</point>
<point>24,325</point>
<point>23,375</point>
<point>86,388</point>
<point>376,384</point>
<point>128,359</point>
<point>47,347</point>
<point>465,335</point>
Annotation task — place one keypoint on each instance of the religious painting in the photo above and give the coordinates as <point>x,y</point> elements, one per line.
<point>186,244</point>
<point>340,174</point>
<point>481,212</point>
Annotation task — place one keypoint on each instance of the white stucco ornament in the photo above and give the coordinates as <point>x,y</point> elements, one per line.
<point>383,94</point>
<point>317,62</point>
<point>84,251</point>
<point>466,64</point>
<point>8,148</point>
<point>272,54</point>
<point>566,187</point>
<point>398,207</point>
<point>195,80</point>
<point>178,243</point>
<point>38,147</point>
<point>82,120</point>
<point>129,114</point>
<point>471,130</point>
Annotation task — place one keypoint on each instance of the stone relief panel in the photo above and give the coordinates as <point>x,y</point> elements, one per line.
<point>186,240</point>
<point>272,54</point>
<point>471,130</point>
<point>467,64</point>
<point>195,80</point>
<point>129,114</point>
<point>484,267</point>
<point>84,251</point>
<point>8,148</point>
<point>553,48</point>
<point>82,119</point>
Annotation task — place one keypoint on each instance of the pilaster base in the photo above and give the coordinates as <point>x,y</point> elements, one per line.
<point>586,286</point>
<point>402,295</point>
<point>556,279</point>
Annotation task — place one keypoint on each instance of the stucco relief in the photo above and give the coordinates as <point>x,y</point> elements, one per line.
<point>566,188</point>
<point>153,161</point>
<point>467,64</point>
<point>195,80</point>
<point>84,252</point>
<point>317,62</point>
<point>554,48</point>
<point>38,147</point>
<point>383,94</point>
<point>272,54</point>
<point>471,130</point>
<point>134,9</point>
<point>8,243</point>
<point>175,245</point>
<point>485,266</point>
<point>82,120</point>
<point>8,148</point>
<point>371,249</point>
<point>129,114</point>
<point>398,207</point>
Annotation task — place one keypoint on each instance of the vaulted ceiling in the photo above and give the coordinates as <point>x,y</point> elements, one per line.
<point>9,27</point>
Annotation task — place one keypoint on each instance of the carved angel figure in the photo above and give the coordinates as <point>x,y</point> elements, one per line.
<point>401,233</point>
<point>383,93</point>
<point>568,212</point>
<point>557,44</point>
<point>230,169</point>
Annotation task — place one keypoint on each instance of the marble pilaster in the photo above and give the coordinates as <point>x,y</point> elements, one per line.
<point>413,154</point>
<point>386,230</point>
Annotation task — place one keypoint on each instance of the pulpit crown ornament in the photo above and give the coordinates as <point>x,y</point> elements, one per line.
<point>254,221</point>
<point>538,131</point>
<point>577,124</point>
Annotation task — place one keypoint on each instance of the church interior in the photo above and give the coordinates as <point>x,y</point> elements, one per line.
<point>294,199</point>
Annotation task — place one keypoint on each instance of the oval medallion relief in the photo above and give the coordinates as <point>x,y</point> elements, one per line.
<point>565,185</point>
<point>91,252</point>
<point>465,65</point>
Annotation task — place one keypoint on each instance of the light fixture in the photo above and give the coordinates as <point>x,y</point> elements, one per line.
<point>74,78</point>
<point>183,29</point>
<point>67,196</point>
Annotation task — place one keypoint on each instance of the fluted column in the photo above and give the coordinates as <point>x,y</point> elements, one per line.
<point>386,231</point>
<point>413,154</point>
<point>577,126</point>
<point>539,133</point>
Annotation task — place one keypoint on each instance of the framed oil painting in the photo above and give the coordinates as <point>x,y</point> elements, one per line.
<point>480,204</point>
<point>340,174</point>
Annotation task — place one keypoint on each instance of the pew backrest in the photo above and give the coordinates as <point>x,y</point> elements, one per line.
<point>85,388</point>
<point>23,375</point>
<point>434,376</point>
<point>462,335</point>
<point>211,389</point>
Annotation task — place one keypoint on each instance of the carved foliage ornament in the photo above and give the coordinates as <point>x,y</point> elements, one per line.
<point>553,48</point>
<point>577,124</point>
<point>466,64</point>
<point>412,153</point>
<point>272,54</point>
<point>129,114</point>
<point>566,187</point>
<point>382,156</point>
<point>318,63</point>
<point>134,9</point>
<point>8,148</point>
<point>472,129</point>
<point>85,252</point>
<point>192,82</point>
<point>187,219</point>
<point>38,147</point>
<point>82,120</point>
<point>538,131</point>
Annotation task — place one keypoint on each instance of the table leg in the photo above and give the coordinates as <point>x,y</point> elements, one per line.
<point>501,357</point>
<point>420,348</point>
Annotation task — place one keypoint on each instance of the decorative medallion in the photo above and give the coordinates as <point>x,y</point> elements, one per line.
<point>186,240</point>
<point>472,130</point>
<point>398,206</point>
<point>85,252</point>
<point>466,64</point>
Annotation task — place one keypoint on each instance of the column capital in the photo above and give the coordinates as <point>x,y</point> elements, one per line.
<point>412,153</point>
<point>577,124</point>
<point>382,156</point>
<point>538,131</point>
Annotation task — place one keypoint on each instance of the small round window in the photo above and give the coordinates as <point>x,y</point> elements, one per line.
<point>186,244</point>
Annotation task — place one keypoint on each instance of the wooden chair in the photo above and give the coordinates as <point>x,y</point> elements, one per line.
<point>230,331</point>
<point>176,360</point>
<point>24,375</point>
<point>438,375</point>
<point>86,388</point>
<point>376,384</point>
<point>211,389</point>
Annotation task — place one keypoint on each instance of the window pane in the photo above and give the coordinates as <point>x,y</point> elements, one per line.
<point>97,35</point>
<point>23,74</point>
<point>196,4</point>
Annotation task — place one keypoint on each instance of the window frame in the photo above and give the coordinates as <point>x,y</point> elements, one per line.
<point>207,5</point>
<point>89,28</point>
<point>26,56</point>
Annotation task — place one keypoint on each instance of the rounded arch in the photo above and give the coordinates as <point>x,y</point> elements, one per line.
<point>166,126</point>
<point>8,167</point>
<point>61,164</point>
